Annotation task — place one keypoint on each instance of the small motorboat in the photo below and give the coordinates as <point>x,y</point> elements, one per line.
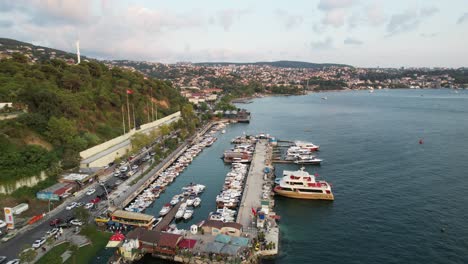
<point>197,202</point>
<point>175,200</point>
<point>157,222</point>
<point>181,211</point>
<point>188,214</point>
<point>166,208</point>
<point>191,200</point>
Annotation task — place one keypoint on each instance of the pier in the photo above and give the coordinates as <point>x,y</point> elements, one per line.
<point>167,219</point>
<point>253,187</point>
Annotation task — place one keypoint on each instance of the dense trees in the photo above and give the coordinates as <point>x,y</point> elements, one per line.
<point>72,107</point>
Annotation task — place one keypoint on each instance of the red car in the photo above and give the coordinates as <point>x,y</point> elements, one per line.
<point>55,222</point>
<point>95,200</point>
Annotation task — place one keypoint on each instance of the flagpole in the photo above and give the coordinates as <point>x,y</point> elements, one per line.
<point>134,121</point>
<point>123,119</point>
<point>128,112</point>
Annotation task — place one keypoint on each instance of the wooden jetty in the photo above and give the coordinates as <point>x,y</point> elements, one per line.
<point>167,219</point>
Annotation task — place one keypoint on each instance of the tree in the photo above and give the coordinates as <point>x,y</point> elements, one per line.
<point>27,255</point>
<point>61,131</point>
<point>140,140</point>
<point>165,130</point>
<point>81,214</point>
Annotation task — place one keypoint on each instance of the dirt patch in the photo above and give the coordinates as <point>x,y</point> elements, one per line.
<point>161,103</point>
<point>33,139</point>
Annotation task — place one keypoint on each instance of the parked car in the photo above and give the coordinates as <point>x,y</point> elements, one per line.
<point>119,182</point>
<point>134,167</point>
<point>96,200</point>
<point>76,222</point>
<point>52,232</point>
<point>2,259</point>
<point>55,222</point>
<point>71,206</point>
<point>152,153</point>
<point>90,191</point>
<point>79,204</point>
<point>13,261</point>
<point>38,243</point>
<point>65,195</point>
<point>69,218</point>
<point>122,163</point>
<point>2,224</point>
<point>89,205</point>
<point>116,174</point>
<point>146,158</point>
<point>123,169</point>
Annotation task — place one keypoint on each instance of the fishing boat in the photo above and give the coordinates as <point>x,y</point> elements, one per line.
<point>188,214</point>
<point>166,208</point>
<point>197,202</point>
<point>301,185</point>
<point>181,211</point>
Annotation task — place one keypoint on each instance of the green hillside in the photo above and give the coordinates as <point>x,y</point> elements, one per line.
<point>69,108</point>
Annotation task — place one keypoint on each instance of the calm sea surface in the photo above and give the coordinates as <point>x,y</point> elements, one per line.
<point>396,201</point>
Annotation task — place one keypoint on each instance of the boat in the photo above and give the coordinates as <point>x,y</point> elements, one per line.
<point>301,185</point>
<point>190,200</point>
<point>307,145</point>
<point>166,208</point>
<point>175,200</point>
<point>181,211</point>
<point>157,222</point>
<point>308,160</point>
<point>188,214</point>
<point>197,202</point>
<point>224,131</point>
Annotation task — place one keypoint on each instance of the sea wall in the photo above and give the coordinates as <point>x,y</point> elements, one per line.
<point>7,188</point>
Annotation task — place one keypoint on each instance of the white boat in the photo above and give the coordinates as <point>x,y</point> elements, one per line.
<point>190,200</point>
<point>224,131</point>
<point>175,200</point>
<point>166,208</point>
<point>301,185</point>
<point>311,160</point>
<point>188,214</point>
<point>181,211</point>
<point>197,202</point>
<point>157,222</point>
<point>216,217</point>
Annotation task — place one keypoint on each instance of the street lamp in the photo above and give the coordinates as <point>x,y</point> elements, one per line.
<point>107,194</point>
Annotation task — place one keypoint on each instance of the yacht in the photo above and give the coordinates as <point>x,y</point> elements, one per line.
<point>166,208</point>
<point>308,159</point>
<point>301,185</point>
<point>181,211</point>
<point>175,200</point>
<point>307,145</point>
<point>190,200</point>
<point>197,202</point>
<point>188,214</point>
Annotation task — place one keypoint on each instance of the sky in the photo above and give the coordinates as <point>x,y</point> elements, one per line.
<point>362,33</point>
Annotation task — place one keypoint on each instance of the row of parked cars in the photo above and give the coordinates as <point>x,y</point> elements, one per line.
<point>13,261</point>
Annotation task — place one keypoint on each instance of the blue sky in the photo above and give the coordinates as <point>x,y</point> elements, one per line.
<point>364,33</point>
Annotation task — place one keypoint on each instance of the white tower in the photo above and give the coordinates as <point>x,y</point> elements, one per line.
<point>78,52</point>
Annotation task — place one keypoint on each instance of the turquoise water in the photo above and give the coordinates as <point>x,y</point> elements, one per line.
<point>396,201</point>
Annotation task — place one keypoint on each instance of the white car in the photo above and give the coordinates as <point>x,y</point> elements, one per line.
<point>76,222</point>
<point>90,191</point>
<point>2,224</point>
<point>13,261</point>
<point>134,167</point>
<point>117,173</point>
<point>52,232</point>
<point>89,205</point>
<point>71,206</point>
<point>38,243</point>
<point>123,169</point>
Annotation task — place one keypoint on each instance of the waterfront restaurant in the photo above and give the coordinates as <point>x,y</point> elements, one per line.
<point>218,227</point>
<point>133,219</point>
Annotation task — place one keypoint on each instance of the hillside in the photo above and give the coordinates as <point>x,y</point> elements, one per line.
<point>33,52</point>
<point>279,64</point>
<point>69,108</point>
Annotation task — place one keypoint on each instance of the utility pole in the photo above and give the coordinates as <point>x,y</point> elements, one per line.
<point>128,112</point>
<point>134,121</point>
<point>147,111</point>
<point>123,119</point>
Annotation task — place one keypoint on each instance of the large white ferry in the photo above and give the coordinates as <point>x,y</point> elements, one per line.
<point>301,185</point>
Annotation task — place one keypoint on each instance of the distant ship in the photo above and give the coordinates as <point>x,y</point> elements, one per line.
<point>301,185</point>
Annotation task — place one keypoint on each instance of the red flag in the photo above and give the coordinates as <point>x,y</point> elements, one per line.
<point>254,212</point>
<point>129,91</point>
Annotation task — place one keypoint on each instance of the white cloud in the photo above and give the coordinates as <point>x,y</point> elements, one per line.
<point>335,11</point>
<point>462,18</point>
<point>335,4</point>
<point>322,44</point>
<point>408,20</point>
<point>290,21</point>
<point>227,17</point>
<point>352,41</point>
